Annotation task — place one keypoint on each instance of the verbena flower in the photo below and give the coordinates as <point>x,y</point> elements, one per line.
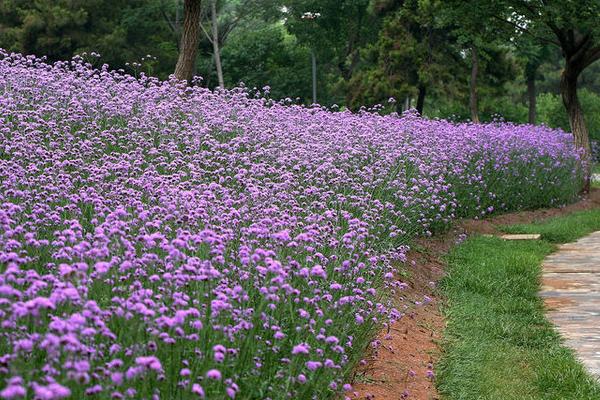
<point>156,237</point>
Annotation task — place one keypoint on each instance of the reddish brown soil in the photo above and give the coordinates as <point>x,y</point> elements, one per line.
<point>399,367</point>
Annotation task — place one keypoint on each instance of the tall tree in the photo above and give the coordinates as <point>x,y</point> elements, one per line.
<point>475,35</point>
<point>215,41</point>
<point>188,47</point>
<point>261,54</point>
<point>533,55</point>
<point>573,26</point>
<point>530,72</point>
<point>473,96</point>
<point>341,28</point>
<point>121,31</point>
<point>412,56</point>
<point>219,18</point>
<point>336,37</point>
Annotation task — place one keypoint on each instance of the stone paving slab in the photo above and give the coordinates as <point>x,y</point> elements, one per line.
<point>521,236</point>
<point>571,292</point>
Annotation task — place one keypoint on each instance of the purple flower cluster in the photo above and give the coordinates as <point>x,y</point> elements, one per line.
<point>163,241</point>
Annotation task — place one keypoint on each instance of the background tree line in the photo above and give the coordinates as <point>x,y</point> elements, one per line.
<point>368,51</point>
<point>457,59</point>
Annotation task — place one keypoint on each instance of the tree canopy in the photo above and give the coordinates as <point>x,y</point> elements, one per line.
<point>437,56</point>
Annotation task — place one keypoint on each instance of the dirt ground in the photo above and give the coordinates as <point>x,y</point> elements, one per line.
<point>403,366</point>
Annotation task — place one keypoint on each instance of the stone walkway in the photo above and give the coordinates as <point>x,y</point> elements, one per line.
<point>571,290</point>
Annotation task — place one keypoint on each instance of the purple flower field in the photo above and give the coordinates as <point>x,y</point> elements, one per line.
<point>158,241</point>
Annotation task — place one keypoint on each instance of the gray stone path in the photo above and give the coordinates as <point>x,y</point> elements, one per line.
<point>571,291</point>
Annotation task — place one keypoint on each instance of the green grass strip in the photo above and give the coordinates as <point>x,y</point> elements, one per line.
<point>498,343</point>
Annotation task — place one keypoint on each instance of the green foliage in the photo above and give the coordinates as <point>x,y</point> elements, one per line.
<point>341,28</point>
<point>551,111</point>
<point>491,107</point>
<point>122,31</point>
<point>500,97</point>
<point>277,60</point>
<point>366,50</point>
<point>413,55</point>
<point>337,36</point>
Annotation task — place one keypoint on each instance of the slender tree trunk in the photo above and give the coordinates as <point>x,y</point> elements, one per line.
<point>188,47</point>
<point>178,20</point>
<point>568,90</point>
<point>313,58</point>
<point>422,87</point>
<point>399,107</point>
<point>215,41</point>
<point>421,98</point>
<point>473,87</point>
<point>531,98</point>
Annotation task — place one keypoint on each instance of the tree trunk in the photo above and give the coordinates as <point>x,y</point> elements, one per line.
<point>188,47</point>
<point>531,97</point>
<point>178,20</point>
<point>215,41</point>
<point>421,98</point>
<point>568,90</point>
<point>473,87</point>
<point>313,59</point>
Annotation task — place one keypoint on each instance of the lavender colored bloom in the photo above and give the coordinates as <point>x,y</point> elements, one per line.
<point>93,390</point>
<point>149,362</point>
<point>318,271</point>
<point>301,348</point>
<point>214,374</point>
<point>117,378</point>
<point>140,217</point>
<point>198,390</point>
<point>230,392</point>
<point>313,365</point>
<point>13,392</point>
<point>53,391</point>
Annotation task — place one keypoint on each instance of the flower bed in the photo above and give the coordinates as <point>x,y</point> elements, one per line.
<point>157,240</point>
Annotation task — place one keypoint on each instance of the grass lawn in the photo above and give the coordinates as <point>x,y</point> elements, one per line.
<point>498,344</point>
